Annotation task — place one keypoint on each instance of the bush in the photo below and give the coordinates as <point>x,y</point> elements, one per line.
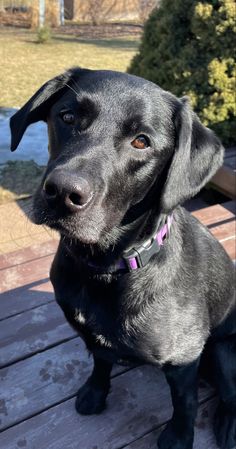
<point>43,35</point>
<point>187,48</point>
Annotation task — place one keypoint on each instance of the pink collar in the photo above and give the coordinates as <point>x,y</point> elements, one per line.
<point>139,256</point>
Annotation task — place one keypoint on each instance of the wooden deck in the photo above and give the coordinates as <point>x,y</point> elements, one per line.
<point>43,363</point>
<point>225,178</point>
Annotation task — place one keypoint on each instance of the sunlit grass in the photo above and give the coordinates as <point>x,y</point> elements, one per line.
<point>25,65</point>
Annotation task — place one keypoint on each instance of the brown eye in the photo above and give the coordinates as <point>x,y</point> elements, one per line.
<point>68,117</point>
<point>140,142</point>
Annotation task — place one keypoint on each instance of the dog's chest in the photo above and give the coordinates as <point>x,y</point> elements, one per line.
<point>94,327</point>
<point>120,327</point>
<point>109,331</point>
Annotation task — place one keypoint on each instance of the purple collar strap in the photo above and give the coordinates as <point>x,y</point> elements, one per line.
<point>139,256</point>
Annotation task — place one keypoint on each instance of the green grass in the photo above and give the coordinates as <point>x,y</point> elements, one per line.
<point>26,65</point>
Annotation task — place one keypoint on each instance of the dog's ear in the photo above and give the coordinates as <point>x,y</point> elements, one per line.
<point>37,107</point>
<point>198,154</point>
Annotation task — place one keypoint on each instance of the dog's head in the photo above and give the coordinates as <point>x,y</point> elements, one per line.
<point>118,145</point>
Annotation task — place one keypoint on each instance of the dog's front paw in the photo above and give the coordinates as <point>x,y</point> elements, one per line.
<point>170,440</point>
<point>225,427</point>
<point>90,399</point>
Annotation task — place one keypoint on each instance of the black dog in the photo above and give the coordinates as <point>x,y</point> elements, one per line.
<point>135,274</point>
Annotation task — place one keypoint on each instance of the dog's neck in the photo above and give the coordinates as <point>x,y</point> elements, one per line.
<point>131,233</point>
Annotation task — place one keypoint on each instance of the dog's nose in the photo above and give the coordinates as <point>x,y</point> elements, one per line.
<point>73,192</point>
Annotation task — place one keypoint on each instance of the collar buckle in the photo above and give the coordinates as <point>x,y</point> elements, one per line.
<point>139,257</point>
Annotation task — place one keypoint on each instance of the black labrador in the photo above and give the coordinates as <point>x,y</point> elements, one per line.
<point>136,275</point>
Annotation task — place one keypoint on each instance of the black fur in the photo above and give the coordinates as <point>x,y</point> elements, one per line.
<point>179,310</point>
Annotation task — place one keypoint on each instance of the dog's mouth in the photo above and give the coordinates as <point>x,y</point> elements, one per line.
<point>83,234</point>
<point>80,229</point>
<point>87,227</point>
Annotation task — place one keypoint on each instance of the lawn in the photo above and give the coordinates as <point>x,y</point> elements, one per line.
<point>25,64</point>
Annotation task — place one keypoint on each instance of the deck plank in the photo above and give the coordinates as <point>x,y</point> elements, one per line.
<point>26,297</point>
<point>17,276</point>
<point>215,214</point>
<point>28,254</point>
<point>139,400</point>
<point>203,439</point>
<point>32,331</point>
<point>32,385</point>
<point>225,178</point>
<point>224,231</point>
<point>220,220</point>
<point>230,247</point>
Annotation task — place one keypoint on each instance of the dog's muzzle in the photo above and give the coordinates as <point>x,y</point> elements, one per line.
<point>67,190</point>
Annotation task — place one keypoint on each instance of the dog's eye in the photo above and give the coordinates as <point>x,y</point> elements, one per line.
<point>68,117</point>
<point>140,142</point>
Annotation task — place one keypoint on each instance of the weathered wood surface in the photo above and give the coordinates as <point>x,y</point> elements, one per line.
<point>224,231</point>
<point>28,254</point>
<point>26,297</point>
<point>221,221</point>
<point>230,248</point>
<point>35,384</point>
<point>16,276</point>
<point>32,331</point>
<point>225,178</point>
<point>204,437</point>
<point>216,214</point>
<point>139,401</point>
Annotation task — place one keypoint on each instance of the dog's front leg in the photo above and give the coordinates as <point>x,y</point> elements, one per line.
<point>91,397</point>
<point>183,382</point>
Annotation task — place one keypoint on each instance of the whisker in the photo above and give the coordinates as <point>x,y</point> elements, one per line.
<point>75,84</point>
<point>71,88</point>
